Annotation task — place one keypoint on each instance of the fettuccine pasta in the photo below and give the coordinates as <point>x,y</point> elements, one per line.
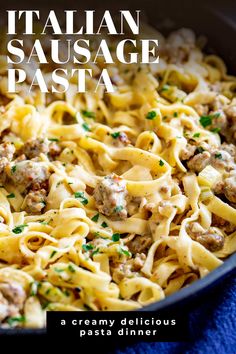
<point>113,201</point>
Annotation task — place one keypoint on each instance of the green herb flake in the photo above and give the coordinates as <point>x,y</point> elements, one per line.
<point>118,208</point>
<point>19,229</point>
<point>80,195</point>
<point>45,304</point>
<point>14,320</point>
<point>151,115</point>
<point>124,251</point>
<point>95,217</point>
<point>161,163</point>
<point>104,224</point>
<point>48,291</point>
<point>71,268</point>
<point>165,88</point>
<point>87,247</point>
<point>53,254</point>
<point>53,139</point>
<point>176,114</point>
<point>115,135</point>
<point>205,121</point>
<point>58,270</point>
<point>86,127</point>
<point>88,114</point>
<point>43,222</point>
<point>66,293</point>
<point>196,135</point>
<point>115,237</point>
<point>215,130</point>
<point>218,155</point>
<point>11,196</point>
<point>13,169</point>
<point>95,252</point>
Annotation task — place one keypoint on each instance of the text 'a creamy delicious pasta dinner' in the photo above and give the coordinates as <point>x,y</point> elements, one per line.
<point>113,201</point>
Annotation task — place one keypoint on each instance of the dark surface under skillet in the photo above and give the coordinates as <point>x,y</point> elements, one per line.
<point>216,20</point>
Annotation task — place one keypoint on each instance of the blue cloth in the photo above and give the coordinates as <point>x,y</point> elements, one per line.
<point>212,327</point>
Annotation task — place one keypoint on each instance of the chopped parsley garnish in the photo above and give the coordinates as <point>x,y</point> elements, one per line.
<point>88,114</point>
<point>53,254</point>
<point>53,139</point>
<point>95,217</point>
<point>87,247</point>
<point>45,304</point>
<point>13,169</point>
<point>196,135</point>
<point>86,127</point>
<point>58,270</point>
<point>176,114</point>
<point>11,195</point>
<point>115,135</point>
<point>124,251</point>
<point>66,292</point>
<point>19,229</point>
<point>218,156</point>
<point>151,115</point>
<point>48,291</point>
<point>215,130</point>
<point>80,195</point>
<point>118,208</point>
<point>161,163</point>
<point>71,268</point>
<point>43,222</point>
<point>165,88</point>
<point>13,320</point>
<point>216,115</point>
<point>115,237</point>
<point>205,121</point>
<point>95,252</point>
<point>104,224</point>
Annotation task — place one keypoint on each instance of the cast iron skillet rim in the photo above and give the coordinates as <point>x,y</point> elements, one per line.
<point>185,294</point>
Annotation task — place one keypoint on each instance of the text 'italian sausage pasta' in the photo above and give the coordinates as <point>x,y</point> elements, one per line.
<point>113,201</point>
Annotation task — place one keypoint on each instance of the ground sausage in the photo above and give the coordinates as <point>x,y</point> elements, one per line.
<point>140,243</point>
<point>230,187</point>
<point>33,148</point>
<point>28,173</point>
<point>6,154</point>
<point>187,152</point>
<point>110,196</point>
<point>219,159</point>
<point>12,298</point>
<point>209,239</point>
<point>199,161</point>
<point>35,201</point>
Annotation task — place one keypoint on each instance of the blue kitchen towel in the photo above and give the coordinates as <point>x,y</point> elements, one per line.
<point>212,327</point>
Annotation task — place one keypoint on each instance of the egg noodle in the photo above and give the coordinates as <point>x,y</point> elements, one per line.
<point>105,201</point>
